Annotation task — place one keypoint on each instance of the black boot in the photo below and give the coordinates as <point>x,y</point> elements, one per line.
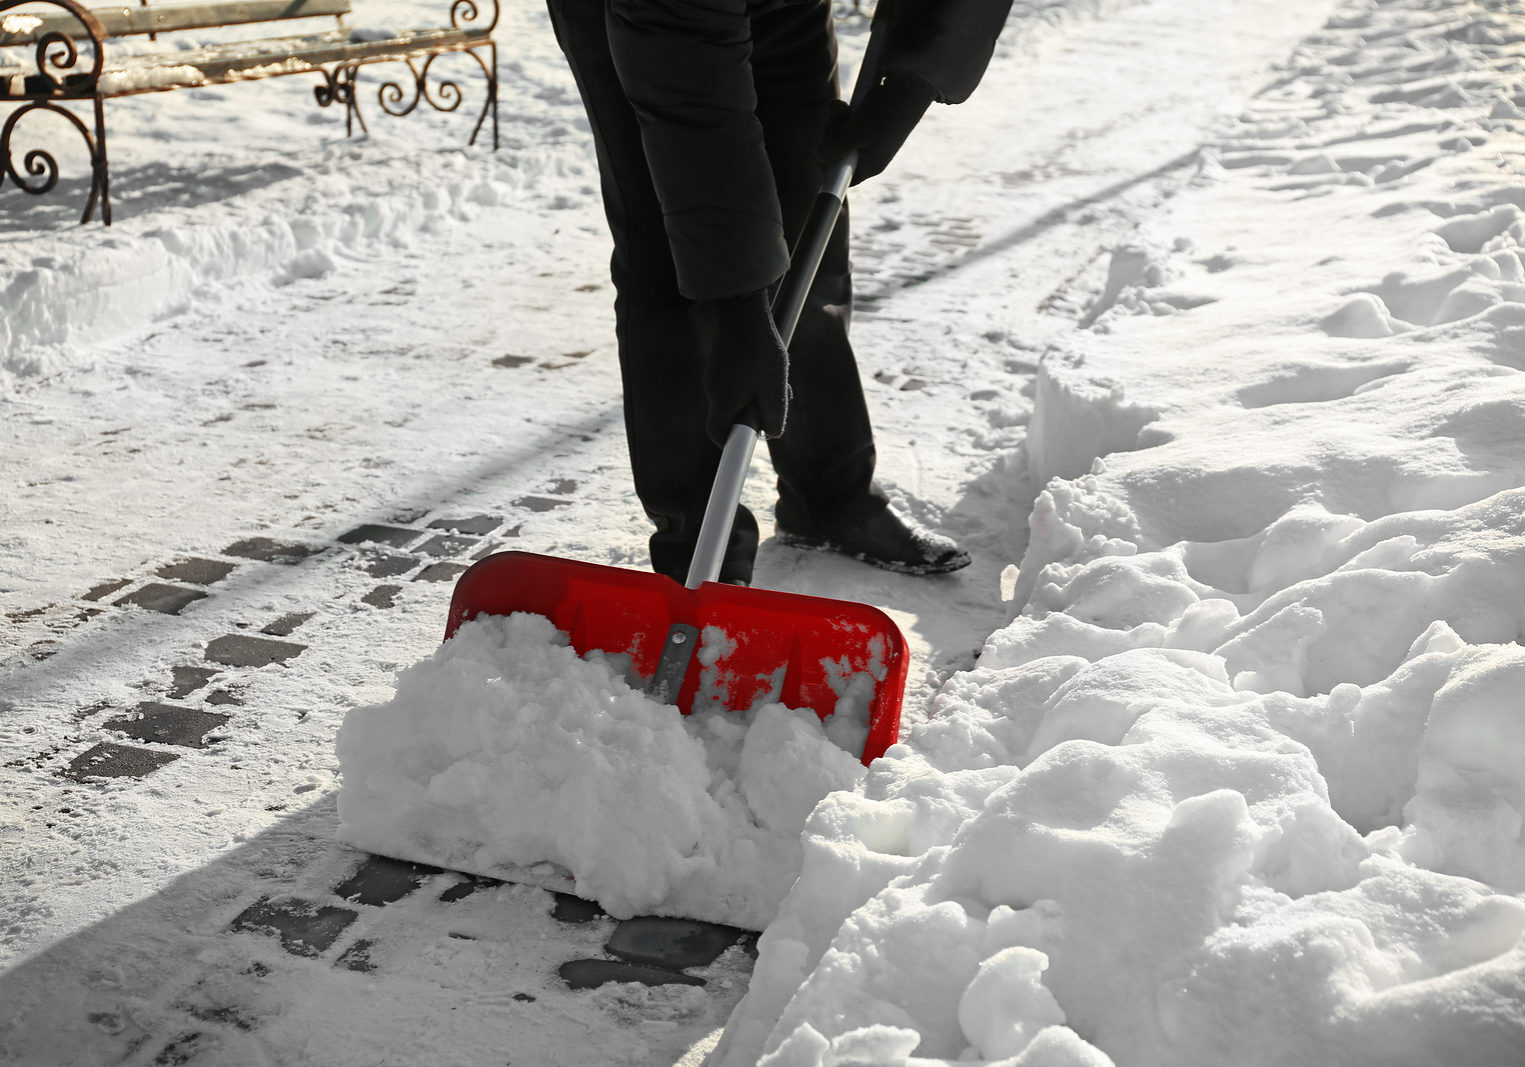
<point>885,539</point>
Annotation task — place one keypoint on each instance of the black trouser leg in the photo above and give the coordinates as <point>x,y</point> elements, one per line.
<point>825,459</point>
<point>672,459</point>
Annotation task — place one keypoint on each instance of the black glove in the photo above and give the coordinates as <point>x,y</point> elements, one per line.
<point>746,367</point>
<point>878,126</point>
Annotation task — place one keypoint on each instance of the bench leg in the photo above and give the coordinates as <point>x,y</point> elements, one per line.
<point>352,103</point>
<point>100,179</point>
<point>491,69</point>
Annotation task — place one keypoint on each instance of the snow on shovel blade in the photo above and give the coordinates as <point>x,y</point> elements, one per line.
<point>755,645</point>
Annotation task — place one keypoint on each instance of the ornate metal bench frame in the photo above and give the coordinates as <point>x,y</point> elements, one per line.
<point>68,53</point>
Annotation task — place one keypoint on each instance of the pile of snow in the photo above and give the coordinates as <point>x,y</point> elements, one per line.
<point>507,750</point>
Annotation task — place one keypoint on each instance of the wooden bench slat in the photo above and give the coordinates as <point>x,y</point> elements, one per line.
<point>219,65</point>
<point>163,18</point>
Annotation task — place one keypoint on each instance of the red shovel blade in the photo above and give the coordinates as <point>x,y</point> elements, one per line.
<point>754,644</point>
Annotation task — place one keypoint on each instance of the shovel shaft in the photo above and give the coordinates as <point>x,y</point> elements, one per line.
<point>720,512</point>
<point>811,249</point>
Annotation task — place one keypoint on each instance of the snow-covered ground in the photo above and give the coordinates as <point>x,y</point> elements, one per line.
<point>1199,324</point>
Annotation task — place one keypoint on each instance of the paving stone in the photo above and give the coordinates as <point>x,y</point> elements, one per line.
<point>196,571</point>
<point>110,760</point>
<point>305,928</point>
<point>165,599</point>
<point>383,596</point>
<point>222,696</point>
<point>189,679</point>
<point>381,880</point>
<point>225,1015</point>
<point>440,572</point>
<point>105,589</point>
<point>388,564</point>
<point>167,724</point>
<point>269,550</point>
<point>563,487</point>
<point>358,957</point>
<point>241,650</point>
<point>284,626</point>
<point>476,524</point>
<point>512,361</point>
<point>375,533</point>
<point>676,943</point>
<point>570,909</point>
<point>448,545</point>
<point>469,884</point>
<point>590,974</point>
<point>184,1049</point>
<point>540,503</point>
<point>492,546</point>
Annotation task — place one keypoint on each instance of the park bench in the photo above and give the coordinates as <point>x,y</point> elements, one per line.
<point>60,55</point>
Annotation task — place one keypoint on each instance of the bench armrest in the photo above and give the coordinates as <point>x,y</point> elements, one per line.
<point>61,69</point>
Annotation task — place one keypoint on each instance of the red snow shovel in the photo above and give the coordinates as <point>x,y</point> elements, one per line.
<point>752,645</point>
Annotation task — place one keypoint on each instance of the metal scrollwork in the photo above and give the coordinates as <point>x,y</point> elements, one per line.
<point>339,88</point>
<point>37,163</point>
<point>56,50</point>
<point>39,170</point>
<point>57,56</point>
<point>443,94</point>
<point>464,15</point>
<point>67,66</point>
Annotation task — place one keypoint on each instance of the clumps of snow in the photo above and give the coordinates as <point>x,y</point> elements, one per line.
<point>505,749</point>
<point>1243,780</point>
<point>1468,808</point>
<point>1497,228</point>
<point>1063,836</point>
<point>1363,315</point>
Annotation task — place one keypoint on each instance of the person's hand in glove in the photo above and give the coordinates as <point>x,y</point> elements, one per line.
<point>746,369</point>
<point>878,126</point>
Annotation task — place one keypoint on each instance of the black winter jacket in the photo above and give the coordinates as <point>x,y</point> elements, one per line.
<point>685,66</point>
